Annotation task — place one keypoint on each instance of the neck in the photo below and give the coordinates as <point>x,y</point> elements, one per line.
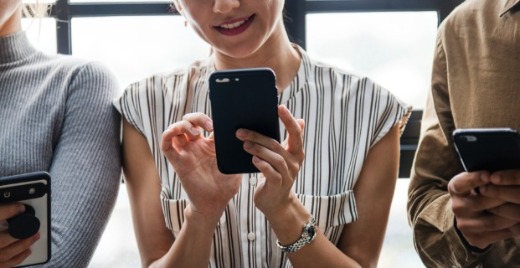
<point>276,53</point>
<point>12,24</point>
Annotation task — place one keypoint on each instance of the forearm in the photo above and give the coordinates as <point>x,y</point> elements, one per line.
<point>192,246</point>
<point>320,252</point>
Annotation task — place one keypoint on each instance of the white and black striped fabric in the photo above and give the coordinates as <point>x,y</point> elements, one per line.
<point>345,116</point>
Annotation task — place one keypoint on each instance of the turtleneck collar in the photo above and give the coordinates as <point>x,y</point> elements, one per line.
<point>15,47</point>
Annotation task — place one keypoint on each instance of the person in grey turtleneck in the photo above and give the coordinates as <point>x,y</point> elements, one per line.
<point>56,115</point>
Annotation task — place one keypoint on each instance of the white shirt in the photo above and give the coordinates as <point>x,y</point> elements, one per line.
<point>345,115</point>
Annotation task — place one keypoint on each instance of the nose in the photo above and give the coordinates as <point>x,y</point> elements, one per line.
<point>223,6</point>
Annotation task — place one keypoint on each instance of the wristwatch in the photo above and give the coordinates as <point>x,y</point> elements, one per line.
<point>308,234</point>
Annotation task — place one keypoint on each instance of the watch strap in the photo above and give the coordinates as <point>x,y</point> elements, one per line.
<point>308,234</point>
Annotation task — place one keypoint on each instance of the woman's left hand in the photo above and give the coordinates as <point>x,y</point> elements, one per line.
<point>279,163</point>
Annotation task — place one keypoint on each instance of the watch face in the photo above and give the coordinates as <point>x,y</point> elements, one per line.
<point>312,231</point>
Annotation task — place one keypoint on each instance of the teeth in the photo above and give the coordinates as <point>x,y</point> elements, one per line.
<point>232,25</point>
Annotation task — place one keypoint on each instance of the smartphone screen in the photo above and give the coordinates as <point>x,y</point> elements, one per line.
<point>33,190</point>
<point>488,149</point>
<point>242,98</point>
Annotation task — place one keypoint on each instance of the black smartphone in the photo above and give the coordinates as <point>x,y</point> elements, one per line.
<point>242,98</point>
<point>33,190</point>
<point>488,149</point>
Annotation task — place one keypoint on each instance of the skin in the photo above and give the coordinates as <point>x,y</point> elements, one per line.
<point>12,251</point>
<point>264,43</point>
<point>10,17</point>
<point>490,214</point>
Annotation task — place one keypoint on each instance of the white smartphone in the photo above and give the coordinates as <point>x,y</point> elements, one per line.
<point>34,191</point>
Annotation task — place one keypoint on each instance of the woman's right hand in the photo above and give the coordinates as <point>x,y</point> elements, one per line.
<point>13,251</point>
<point>193,157</point>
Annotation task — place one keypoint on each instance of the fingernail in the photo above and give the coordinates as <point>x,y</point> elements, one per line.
<point>241,133</point>
<point>20,208</point>
<point>209,125</point>
<point>496,178</point>
<point>194,131</point>
<point>484,176</point>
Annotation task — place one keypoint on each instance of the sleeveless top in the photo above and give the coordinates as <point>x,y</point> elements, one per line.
<point>345,115</point>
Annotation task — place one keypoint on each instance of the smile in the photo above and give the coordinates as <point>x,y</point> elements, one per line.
<point>236,27</point>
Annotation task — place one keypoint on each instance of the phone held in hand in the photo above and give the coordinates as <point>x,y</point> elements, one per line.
<point>34,191</point>
<point>488,149</point>
<point>242,98</point>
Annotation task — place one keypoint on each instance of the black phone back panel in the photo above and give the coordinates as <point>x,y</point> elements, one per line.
<point>488,149</point>
<point>242,98</point>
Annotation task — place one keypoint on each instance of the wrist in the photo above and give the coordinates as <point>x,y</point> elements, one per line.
<point>287,221</point>
<point>309,232</point>
<point>192,216</point>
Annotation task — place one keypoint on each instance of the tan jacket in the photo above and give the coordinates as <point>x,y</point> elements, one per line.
<point>475,83</point>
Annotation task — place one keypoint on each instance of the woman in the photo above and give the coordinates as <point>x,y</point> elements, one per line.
<point>322,196</point>
<point>57,116</point>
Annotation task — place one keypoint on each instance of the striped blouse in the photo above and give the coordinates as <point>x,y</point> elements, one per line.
<point>345,115</point>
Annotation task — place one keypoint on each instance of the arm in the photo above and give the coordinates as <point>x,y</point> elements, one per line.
<point>363,239</point>
<point>429,203</point>
<point>85,169</point>
<point>283,210</point>
<point>208,190</point>
<point>144,189</point>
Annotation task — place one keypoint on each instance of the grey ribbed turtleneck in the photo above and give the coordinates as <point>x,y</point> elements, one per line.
<point>56,115</point>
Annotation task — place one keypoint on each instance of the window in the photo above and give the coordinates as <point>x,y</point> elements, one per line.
<point>390,41</point>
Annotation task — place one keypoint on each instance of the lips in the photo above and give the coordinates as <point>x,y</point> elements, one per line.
<point>235,27</point>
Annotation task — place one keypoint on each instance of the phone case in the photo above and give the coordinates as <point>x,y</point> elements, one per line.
<point>32,189</point>
<point>488,149</point>
<point>242,98</point>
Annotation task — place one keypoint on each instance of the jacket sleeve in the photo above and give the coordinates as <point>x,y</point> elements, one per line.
<point>436,161</point>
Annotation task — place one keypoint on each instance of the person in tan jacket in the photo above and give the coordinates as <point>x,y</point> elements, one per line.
<point>475,84</point>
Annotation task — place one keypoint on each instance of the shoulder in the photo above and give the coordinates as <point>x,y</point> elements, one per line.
<point>171,81</point>
<point>316,68</point>
<point>79,74</point>
<point>342,78</point>
<point>75,65</point>
<point>471,13</point>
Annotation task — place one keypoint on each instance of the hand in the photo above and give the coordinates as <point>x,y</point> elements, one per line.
<point>279,163</point>
<point>505,186</point>
<point>479,227</point>
<point>13,251</point>
<point>193,157</point>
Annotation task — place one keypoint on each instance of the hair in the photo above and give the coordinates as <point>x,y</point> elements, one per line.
<point>35,10</point>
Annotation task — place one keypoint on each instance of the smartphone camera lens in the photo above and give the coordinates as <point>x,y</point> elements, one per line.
<point>469,138</point>
<point>32,190</point>
<point>7,194</point>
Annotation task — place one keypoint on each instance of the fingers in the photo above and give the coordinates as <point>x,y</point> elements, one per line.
<point>506,177</point>
<point>463,183</point>
<point>507,193</point>
<point>277,165</point>
<point>14,251</point>
<point>10,210</point>
<point>508,211</point>
<point>474,204</point>
<point>294,129</point>
<point>188,129</point>
<point>485,223</point>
